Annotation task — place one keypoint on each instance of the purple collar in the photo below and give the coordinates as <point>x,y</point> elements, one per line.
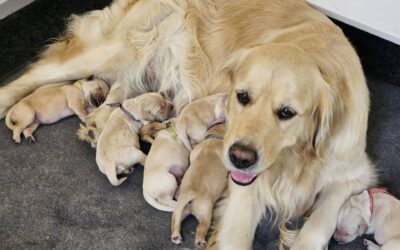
<point>129,114</point>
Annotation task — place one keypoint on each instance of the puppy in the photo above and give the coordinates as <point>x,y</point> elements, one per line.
<point>371,212</point>
<point>118,148</point>
<point>198,116</point>
<point>202,185</point>
<point>165,166</point>
<point>49,104</point>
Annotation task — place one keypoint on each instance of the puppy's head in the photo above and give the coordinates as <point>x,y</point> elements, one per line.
<point>151,107</point>
<point>279,102</point>
<point>95,91</point>
<point>353,218</point>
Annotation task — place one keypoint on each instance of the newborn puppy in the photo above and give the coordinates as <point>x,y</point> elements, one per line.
<point>165,166</point>
<point>118,148</point>
<point>371,212</point>
<point>202,185</point>
<point>51,103</point>
<point>198,116</point>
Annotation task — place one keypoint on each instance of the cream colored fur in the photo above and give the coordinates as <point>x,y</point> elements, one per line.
<point>118,147</point>
<point>165,166</point>
<point>198,116</point>
<point>355,219</point>
<point>282,51</point>
<point>202,185</point>
<point>51,103</point>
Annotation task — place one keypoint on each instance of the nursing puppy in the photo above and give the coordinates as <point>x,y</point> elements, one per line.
<point>202,185</point>
<point>118,147</point>
<point>374,212</point>
<point>50,104</point>
<point>165,166</point>
<point>198,116</point>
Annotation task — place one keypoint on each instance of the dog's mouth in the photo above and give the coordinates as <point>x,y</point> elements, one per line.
<point>242,178</point>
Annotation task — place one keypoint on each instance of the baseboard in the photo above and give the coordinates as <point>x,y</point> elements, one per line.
<point>8,7</point>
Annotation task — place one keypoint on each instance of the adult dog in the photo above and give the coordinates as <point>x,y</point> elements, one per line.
<point>298,106</point>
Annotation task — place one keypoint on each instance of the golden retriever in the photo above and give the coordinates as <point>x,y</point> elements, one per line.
<point>297,112</point>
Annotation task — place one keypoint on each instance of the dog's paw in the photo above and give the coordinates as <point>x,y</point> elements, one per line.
<point>176,239</point>
<point>201,244</point>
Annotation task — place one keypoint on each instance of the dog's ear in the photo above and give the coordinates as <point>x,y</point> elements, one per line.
<point>231,65</point>
<point>323,116</point>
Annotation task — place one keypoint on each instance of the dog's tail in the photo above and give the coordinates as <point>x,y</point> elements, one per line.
<point>9,122</point>
<point>111,173</point>
<point>182,135</point>
<point>166,205</point>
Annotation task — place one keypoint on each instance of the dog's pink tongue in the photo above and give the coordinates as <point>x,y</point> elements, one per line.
<point>242,177</point>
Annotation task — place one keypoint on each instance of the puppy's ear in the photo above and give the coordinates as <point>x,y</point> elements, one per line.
<point>233,62</point>
<point>323,116</point>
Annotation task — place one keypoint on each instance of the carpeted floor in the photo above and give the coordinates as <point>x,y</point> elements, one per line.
<point>53,196</point>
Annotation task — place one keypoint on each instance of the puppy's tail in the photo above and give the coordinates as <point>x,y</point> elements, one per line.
<point>166,205</point>
<point>9,122</point>
<point>111,173</point>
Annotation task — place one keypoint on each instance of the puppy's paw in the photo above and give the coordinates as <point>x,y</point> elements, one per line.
<point>201,244</point>
<point>31,139</point>
<point>176,239</point>
<point>88,134</point>
<point>371,245</point>
<point>17,139</point>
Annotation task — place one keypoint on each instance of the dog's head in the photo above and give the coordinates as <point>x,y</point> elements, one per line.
<point>152,107</point>
<point>279,102</point>
<point>353,218</point>
<point>95,91</point>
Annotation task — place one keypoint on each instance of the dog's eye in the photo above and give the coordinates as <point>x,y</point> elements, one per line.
<point>243,97</point>
<point>285,113</point>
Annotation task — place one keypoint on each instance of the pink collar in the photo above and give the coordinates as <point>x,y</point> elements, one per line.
<point>373,191</point>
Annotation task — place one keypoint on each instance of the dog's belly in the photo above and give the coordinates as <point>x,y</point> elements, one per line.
<point>52,117</point>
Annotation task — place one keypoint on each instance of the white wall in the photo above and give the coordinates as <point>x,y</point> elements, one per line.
<point>378,17</point>
<point>8,7</point>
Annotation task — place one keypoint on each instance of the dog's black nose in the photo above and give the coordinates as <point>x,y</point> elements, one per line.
<point>242,156</point>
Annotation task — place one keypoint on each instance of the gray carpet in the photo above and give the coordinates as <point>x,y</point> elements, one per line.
<point>53,196</point>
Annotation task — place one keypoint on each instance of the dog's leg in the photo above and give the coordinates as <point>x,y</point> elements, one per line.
<point>28,132</point>
<point>240,219</point>
<point>321,224</point>
<point>203,210</point>
<point>88,61</point>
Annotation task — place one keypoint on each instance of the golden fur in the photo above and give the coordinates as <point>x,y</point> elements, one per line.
<point>282,51</point>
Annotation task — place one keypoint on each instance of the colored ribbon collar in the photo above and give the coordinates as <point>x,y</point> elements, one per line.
<point>214,136</point>
<point>78,84</point>
<point>373,191</point>
<point>127,113</point>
